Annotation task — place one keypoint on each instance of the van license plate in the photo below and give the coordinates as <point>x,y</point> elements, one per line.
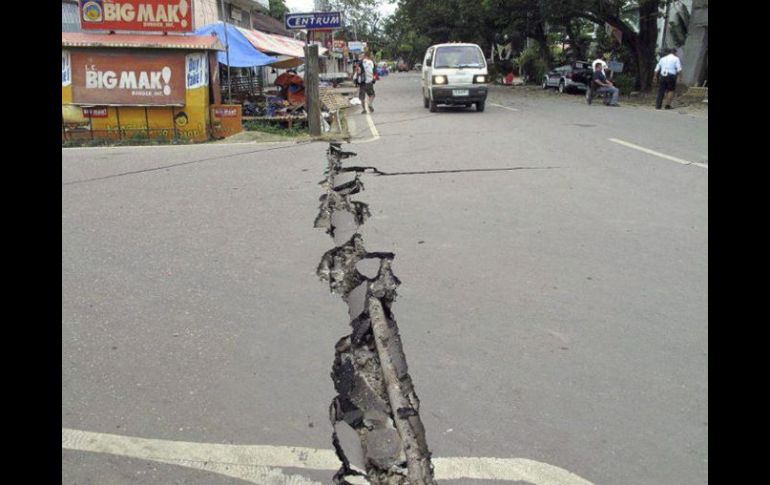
<point>460,92</point>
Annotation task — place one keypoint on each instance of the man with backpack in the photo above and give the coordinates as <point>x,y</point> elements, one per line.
<point>366,83</point>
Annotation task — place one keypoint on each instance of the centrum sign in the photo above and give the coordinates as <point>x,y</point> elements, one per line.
<point>142,15</point>
<point>313,21</point>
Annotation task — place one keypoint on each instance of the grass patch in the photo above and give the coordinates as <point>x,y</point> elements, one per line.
<point>624,83</point>
<point>86,143</point>
<point>138,139</point>
<point>276,127</point>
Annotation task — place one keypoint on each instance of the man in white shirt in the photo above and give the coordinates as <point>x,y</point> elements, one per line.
<point>667,72</point>
<point>367,85</point>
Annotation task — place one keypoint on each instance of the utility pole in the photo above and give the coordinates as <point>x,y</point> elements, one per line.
<point>227,53</point>
<point>312,94</point>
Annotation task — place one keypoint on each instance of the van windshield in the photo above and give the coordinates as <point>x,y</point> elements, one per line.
<point>458,57</point>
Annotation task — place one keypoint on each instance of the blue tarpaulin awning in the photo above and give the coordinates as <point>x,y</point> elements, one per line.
<point>241,52</point>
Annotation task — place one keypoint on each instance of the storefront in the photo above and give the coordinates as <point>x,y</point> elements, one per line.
<point>123,86</point>
<point>240,64</point>
<point>250,73</point>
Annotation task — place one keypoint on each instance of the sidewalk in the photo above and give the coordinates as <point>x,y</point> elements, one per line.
<point>682,103</point>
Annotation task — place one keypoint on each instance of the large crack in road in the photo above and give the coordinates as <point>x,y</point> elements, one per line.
<point>377,431</point>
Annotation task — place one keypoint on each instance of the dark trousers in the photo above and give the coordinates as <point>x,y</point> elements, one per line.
<point>665,83</point>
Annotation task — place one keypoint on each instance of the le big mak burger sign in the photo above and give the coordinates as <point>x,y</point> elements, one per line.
<point>147,15</point>
<point>118,79</point>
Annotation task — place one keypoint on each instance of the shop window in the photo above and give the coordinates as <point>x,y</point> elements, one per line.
<point>70,19</point>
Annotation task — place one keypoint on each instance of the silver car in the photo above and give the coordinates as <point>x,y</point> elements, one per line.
<point>574,76</point>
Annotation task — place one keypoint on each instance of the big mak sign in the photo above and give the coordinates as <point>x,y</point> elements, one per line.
<point>143,15</point>
<point>113,78</point>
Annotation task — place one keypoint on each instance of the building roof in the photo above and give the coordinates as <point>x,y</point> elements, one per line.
<point>191,42</point>
<point>276,44</point>
<point>266,23</point>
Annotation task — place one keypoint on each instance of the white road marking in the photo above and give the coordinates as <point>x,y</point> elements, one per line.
<point>263,464</point>
<point>352,129</point>
<point>375,133</point>
<point>658,154</point>
<point>504,107</point>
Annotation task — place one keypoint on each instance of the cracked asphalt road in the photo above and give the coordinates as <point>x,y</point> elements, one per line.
<point>556,314</point>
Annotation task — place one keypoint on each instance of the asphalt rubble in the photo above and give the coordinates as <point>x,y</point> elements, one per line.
<point>377,431</point>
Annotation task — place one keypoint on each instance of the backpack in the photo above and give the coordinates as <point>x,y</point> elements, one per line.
<point>357,72</point>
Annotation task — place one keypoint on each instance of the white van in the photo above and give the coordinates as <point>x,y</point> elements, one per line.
<point>454,74</point>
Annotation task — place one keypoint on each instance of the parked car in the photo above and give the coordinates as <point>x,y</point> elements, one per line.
<point>454,74</point>
<point>574,76</point>
<point>402,66</point>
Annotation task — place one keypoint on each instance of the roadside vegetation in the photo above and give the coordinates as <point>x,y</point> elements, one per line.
<point>276,128</point>
<point>138,139</point>
<point>527,37</point>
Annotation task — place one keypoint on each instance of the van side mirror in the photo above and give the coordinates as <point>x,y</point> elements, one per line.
<point>428,62</point>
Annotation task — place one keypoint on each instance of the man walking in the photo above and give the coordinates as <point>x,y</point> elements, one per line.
<point>667,73</point>
<point>367,83</point>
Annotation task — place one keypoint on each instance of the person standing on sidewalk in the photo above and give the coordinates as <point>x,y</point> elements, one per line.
<point>367,85</point>
<point>667,73</point>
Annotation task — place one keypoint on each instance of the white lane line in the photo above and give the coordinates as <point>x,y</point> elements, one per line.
<point>504,107</point>
<point>658,154</point>
<point>511,469</point>
<point>256,464</point>
<point>372,128</point>
<point>263,464</point>
<point>375,133</point>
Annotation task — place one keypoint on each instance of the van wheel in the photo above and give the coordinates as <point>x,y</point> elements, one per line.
<point>432,105</point>
<point>480,106</point>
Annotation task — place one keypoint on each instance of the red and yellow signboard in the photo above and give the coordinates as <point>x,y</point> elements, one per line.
<point>226,119</point>
<point>95,112</point>
<point>113,78</point>
<point>141,15</point>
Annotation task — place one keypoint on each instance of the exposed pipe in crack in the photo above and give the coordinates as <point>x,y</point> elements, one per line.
<point>378,434</point>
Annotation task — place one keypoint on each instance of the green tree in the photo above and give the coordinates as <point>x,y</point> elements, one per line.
<point>479,21</point>
<point>277,9</point>
<point>402,40</point>
<point>362,19</point>
<point>639,32</point>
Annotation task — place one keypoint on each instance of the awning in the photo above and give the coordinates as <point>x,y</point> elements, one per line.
<point>287,62</point>
<point>240,52</point>
<point>191,42</point>
<point>277,44</point>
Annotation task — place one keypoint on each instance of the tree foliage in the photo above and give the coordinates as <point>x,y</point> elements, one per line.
<point>480,21</point>
<point>277,9</point>
<point>363,21</point>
